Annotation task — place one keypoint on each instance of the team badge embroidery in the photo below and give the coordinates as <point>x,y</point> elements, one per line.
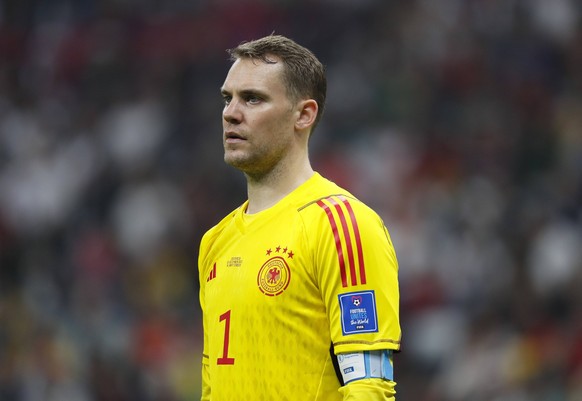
<point>274,276</point>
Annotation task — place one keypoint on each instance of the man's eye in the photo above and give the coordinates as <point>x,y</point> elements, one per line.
<point>253,99</point>
<point>226,99</point>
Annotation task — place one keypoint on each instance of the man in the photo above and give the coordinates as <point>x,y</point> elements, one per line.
<point>298,286</point>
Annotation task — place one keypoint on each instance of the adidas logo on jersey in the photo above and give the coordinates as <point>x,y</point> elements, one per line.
<point>212,274</point>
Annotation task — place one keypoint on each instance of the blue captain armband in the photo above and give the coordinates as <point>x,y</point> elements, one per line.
<point>366,365</point>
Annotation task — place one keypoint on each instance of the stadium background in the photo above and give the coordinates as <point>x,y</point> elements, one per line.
<point>459,121</point>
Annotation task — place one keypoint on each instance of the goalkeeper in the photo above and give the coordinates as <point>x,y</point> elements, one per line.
<point>298,285</point>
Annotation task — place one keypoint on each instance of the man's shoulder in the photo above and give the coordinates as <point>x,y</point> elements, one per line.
<point>320,190</point>
<point>317,188</point>
<point>326,200</point>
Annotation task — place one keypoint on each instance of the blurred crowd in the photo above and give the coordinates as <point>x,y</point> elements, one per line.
<point>459,121</point>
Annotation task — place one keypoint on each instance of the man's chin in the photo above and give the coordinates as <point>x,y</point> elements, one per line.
<point>236,162</point>
<point>245,166</point>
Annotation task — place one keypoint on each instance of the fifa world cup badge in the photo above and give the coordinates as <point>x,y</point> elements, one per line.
<point>358,312</point>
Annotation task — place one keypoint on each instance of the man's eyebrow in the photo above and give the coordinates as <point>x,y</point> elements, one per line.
<point>245,92</point>
<point>253,92</point>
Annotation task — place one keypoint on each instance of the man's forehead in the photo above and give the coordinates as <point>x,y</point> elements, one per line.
<point>253,72</point>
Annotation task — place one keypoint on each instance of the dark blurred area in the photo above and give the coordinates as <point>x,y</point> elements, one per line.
<point>459,121</point>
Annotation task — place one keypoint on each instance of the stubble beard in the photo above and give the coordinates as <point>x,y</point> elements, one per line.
<point>256,165</point>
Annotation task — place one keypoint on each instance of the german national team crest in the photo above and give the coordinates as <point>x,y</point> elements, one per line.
<point>274,276</point>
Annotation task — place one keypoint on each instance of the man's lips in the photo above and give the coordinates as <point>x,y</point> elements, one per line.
<point>230,136</point>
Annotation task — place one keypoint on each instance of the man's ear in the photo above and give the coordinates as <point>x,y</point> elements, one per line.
<point>307,114</point>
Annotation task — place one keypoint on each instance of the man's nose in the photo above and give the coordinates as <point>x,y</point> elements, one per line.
<point>231,112</point>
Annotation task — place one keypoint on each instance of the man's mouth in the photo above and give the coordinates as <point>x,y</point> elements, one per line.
<point>233,137</point>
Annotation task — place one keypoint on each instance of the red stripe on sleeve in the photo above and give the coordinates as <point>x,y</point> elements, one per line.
<point>346,232</point>
<point>338,243</point>
<point>358,239</point>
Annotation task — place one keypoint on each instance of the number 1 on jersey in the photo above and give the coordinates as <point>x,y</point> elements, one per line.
<point>225,360</point>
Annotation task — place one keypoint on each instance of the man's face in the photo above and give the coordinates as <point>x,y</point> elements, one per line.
<point>257,119</point>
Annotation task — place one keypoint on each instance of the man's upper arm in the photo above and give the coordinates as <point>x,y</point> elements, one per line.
<point>357,271</point>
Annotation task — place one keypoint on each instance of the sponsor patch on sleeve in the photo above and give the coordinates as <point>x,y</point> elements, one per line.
<point>358,312</point>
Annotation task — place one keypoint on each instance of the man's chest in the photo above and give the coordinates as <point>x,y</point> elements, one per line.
<point>247,268</point>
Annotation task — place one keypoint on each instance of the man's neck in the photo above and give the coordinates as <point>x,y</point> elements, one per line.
<point>265,191</point>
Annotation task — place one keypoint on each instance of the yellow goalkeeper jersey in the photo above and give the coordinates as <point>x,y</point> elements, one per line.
<point>281,288</point>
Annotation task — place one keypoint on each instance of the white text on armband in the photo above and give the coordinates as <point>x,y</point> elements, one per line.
<point>366,365</point>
